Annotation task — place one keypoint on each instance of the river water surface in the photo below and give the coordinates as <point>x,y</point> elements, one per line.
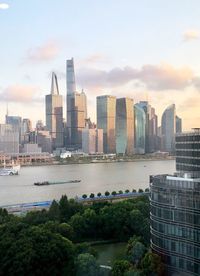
<point>94,178</point>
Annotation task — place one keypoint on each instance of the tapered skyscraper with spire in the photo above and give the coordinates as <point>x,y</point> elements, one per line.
<point>54,113</point>
<point>76,109</point>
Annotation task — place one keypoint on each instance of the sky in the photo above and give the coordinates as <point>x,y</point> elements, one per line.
<point>146,50</point>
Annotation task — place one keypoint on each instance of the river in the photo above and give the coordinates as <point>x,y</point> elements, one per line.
<point>94,178</point>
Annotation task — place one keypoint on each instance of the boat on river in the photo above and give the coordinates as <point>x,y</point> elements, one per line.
<point>44,183</point>
<point>12,170</point>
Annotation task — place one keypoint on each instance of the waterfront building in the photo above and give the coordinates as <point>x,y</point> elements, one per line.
<point>153,131</point>
<point>175,209</point>
<point>178,124</point>
<point>139,129</point>
<point>9,138</point>
<point>44,140</point>
<point>92,140</point>
<point>150,127</point>
<point>168,126</point>
<point>31,148</point>
<point>124,126</point>
<point>76,109</point>
<point>26,126</point>
<point>106,120</point>
<point>15,122</point>
<point>40,125</point>
<point>54,114</point>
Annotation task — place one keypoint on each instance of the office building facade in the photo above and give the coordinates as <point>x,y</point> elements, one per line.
<point>106,120</point>
<point>54,114</point>
<point>175,210</point>
<point>178,124</point>
<point>76,109</point>
<point>139,129</point>
<point>9,139</point>
<point>124,126</point>
<point>92,140</point>
<point>168,126</point>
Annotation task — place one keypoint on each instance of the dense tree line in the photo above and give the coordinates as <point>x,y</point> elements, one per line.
<point>53,242</point>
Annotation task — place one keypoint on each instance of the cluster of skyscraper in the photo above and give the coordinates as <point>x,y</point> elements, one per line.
<point>122,126</point>
<point>127,128</point>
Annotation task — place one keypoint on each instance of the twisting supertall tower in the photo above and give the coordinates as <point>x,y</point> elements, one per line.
<point>54,113</point>
<point>76,108</point>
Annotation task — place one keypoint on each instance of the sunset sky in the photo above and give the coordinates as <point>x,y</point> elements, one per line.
<point>140,49</point>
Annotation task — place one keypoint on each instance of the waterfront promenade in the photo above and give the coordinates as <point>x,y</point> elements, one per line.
<point>23,208</point>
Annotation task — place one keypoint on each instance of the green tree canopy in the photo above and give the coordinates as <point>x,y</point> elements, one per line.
<point>86,265</point>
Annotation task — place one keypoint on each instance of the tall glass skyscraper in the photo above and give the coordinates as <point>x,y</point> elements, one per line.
<point>175,209</point>
<point>106,120</point>
<point>54,113</point>
<point>76,109</point>
<point>168,128</point>
<point>178,124</point>
<point>124,126</point>
<point>139,129</point>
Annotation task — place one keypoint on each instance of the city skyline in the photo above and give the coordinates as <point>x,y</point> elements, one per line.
<point>167,73</point>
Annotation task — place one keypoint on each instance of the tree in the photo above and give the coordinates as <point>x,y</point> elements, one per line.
<point>137,252</point>
<point>35,251</point>
<point>92,195</point>
<point>134,191</point>
<point>99,194</point>
<point>120,192</point>
<point>114,193</point>
<point>66,230</point>
<point>86,265</point>
<point>146,190</point>
<point>140,191</point>
<point>137,222</point>
<point>84,196</point>
<point>152,264</point>
<point>107,193</point>
<point>127,191</point>
<point>120,267</point>
<point>54,211</point>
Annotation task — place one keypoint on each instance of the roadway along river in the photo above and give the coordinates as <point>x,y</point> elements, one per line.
<point>94,178</point>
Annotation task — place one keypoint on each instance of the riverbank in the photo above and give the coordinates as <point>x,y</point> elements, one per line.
<point>92,161</point>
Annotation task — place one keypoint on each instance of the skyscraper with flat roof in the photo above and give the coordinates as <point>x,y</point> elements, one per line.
<point>106,120</point>
<point>124,126</point>
<point>9,139</point>
<point>76,109</point>
<point>168,127</point>
<point>54,113</point>
<point>139,129</point>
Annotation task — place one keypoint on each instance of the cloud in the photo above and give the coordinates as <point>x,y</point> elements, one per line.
<point>4,6</point>
<point>20,93</point>
<point>153,77</point>
<point>45,52</point>
<point>189,35</point>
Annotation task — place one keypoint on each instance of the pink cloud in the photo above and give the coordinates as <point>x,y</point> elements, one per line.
<point>191,34</point>
<point>20,93</point>
<point>154,77</point>
<point>45,52</point>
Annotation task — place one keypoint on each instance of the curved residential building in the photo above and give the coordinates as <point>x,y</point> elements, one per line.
<point>175,210</point>
<point>168,128</point>
<point>124,126</point>
<point>139,129</point>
